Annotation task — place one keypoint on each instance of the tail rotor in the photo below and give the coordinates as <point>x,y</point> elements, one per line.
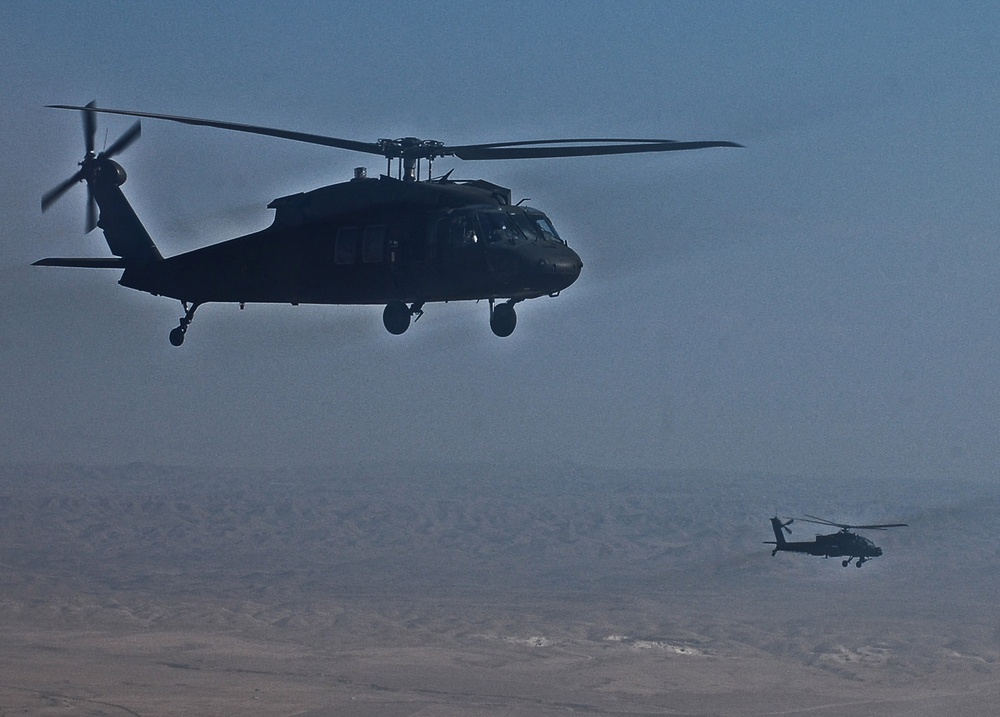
<point>779,538</point>
<point>94,166</point>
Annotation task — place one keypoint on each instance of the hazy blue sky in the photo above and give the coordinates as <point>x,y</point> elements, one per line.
<point>821,302</point>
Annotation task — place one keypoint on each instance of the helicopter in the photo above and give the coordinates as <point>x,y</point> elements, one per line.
<point>842,544</point>
<point>400,241</point>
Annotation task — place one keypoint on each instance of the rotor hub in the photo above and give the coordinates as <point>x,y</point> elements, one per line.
<point>94,167</point>
<point>410,148</point>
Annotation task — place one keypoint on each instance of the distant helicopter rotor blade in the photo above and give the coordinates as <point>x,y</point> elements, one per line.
<point>848,526</point>
<point>822,521</point>
<point>367,147</point>
<point>535,149</point>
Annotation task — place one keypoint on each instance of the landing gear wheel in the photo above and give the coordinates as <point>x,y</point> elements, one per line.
<point>177,333</point>
<point>176,336</point>
<point>396,317</point>
<point>503,319</point>
<point>846,563</point>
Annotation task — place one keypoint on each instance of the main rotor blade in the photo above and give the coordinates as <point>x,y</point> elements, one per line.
<point>89,126</point>
<point>119,145</point>
<point>530,149</point>
<point>575,148</point>
<point>822,521</point>
<point>51,196</point>
<point>368,147</point>
<point>879,526</point>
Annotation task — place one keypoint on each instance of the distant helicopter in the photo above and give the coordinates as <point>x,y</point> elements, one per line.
<point>842,544</point>
<point>402,242</point>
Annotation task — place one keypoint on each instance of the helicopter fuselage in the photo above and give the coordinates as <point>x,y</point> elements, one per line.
<point>374,241</point>
<point>835,545</point>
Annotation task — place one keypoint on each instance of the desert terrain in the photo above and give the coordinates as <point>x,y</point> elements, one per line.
<point>397,590</point>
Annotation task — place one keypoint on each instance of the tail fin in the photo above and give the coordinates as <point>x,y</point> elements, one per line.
<point>124,232</point>
<point>779,537</point>
<point>126,236</point>
<point>777,526</point>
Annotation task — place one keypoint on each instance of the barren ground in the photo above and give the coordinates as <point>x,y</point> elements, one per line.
<point>465,590</point>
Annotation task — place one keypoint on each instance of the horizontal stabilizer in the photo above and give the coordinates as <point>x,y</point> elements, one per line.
<point>83,263</point>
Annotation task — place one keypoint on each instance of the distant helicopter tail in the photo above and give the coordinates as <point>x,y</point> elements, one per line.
<point>779,537</point>
<point>126,236</point>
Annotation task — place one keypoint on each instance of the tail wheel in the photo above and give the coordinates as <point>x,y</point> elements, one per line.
<point>177,333</point>
<point>176,336</point>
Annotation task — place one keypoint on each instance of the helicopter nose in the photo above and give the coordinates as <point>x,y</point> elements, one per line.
<point>565,264</point>
<point>568,263</point>
<point>878,551</point>
<point>559,270</point>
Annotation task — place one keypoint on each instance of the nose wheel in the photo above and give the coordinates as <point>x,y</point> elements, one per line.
<point>503,318</point>
<point>177,334</point>
<point>396,316</point>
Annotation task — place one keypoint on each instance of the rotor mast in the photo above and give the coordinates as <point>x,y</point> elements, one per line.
<point>408,151</point>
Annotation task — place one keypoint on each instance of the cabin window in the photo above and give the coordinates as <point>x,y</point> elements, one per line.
<point>345,247</point>
<point>373,246</point>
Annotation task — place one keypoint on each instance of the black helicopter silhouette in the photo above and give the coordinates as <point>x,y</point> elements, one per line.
<point>842,544</point>
<point>399,241</point>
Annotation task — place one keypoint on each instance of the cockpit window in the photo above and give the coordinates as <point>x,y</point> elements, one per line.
<point>526,226</point>
<point>545,226</point>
